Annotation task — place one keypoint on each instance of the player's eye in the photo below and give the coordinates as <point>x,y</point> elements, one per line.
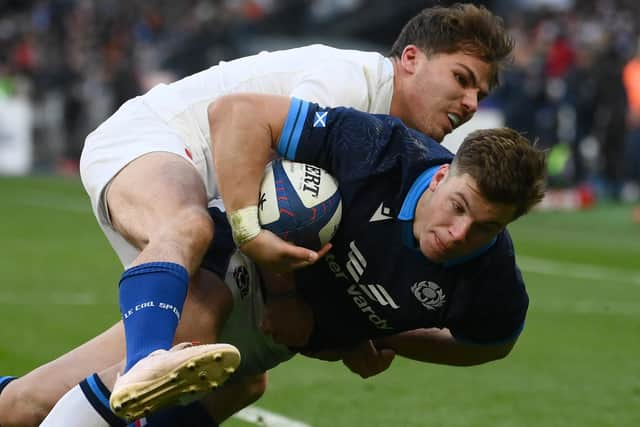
<point>461,79</point>
<point>457,207</point>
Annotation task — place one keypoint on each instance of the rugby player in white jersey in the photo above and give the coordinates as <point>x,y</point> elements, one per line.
<point>475,301</point>
<point>149,171</point>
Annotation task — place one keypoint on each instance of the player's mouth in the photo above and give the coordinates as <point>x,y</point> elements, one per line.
<point>439,246</point>
<point>454,119</point>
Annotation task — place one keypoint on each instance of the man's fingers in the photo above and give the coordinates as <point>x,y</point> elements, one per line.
<point>302,257</point>
<point>324,250</point>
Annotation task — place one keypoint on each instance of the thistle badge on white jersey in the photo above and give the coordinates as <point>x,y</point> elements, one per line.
<point>429,294</point>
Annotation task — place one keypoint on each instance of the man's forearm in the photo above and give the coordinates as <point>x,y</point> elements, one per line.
<point>439,346</point>
<point>242,133</point>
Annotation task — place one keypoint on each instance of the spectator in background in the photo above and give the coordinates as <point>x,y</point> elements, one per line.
<point>610,116</point>
<point>631,78</point>
<point>582,92</point>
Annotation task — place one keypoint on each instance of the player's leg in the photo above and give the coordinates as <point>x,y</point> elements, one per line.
<point>87,405</point>
<point>158,204</point>
<point>234,396</point>
<point>32,397</point>
<point>154,196</point>
<point>28,399</point>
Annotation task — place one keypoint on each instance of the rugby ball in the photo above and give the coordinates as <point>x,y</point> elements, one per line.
<point>300,203</point>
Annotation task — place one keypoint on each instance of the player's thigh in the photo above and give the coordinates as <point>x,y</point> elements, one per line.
<point>152,193</point>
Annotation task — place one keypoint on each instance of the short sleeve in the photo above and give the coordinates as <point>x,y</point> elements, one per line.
<point>496,301</point>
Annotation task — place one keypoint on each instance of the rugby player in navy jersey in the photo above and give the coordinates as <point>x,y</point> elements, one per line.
<point>148,169</point>
<point>422,242</point>
<point>422,264</point>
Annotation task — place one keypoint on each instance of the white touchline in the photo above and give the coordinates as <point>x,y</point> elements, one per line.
<point>577,271</point>
<point>53,298</point>
<point>262,417</point>
<point>46,201</point>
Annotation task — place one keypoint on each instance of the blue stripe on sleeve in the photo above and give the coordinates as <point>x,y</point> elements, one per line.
<point>290,137</point>
<point>297,131</point>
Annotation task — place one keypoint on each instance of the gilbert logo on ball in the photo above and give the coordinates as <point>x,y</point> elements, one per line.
<point>300,203</point>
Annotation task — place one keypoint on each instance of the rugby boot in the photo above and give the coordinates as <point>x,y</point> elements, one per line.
<point>171,377</point>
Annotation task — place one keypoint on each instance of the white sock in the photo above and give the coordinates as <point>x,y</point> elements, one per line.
<point>74,410</point>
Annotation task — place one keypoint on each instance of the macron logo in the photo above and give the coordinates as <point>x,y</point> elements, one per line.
<point>356,266</point>
<point>356,263</point>
<point>381,214</point>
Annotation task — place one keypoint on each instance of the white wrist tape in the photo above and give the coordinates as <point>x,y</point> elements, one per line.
<point>244,224</point>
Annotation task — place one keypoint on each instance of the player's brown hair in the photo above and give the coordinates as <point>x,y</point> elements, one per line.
<point>507,168</point>
<point>462,27</point>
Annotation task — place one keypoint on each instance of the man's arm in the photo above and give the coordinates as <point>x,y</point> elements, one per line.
<point>432,345</point>
<point>245,129</point>
<point>439,346</point>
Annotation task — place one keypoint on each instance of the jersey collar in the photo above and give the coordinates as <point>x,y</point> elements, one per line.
<point>408,209</point>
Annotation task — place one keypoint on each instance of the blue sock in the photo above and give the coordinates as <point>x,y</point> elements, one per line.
<point>151,300</point>
<point>98,396</point>
<point>4,381</point>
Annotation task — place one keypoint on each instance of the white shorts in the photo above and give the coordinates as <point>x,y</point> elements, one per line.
<point>131,132</point>
<point>242,329</point>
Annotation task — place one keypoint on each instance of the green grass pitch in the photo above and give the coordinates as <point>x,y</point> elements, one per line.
<point>576,364</point>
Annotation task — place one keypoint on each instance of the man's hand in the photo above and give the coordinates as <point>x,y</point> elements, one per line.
<point>288,319</point>
<point>272,253</point>
<point>366,360</point>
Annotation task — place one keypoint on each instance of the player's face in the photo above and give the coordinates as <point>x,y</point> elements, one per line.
<point>439,92</point>
<point>453,219</point>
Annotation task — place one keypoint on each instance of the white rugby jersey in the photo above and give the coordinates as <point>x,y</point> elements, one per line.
<point>327,76</point>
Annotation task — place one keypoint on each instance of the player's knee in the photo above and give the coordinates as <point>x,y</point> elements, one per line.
<point>256,387</point>
<point>189,231</point>
<point>195,225</point>
<point>22,406</point>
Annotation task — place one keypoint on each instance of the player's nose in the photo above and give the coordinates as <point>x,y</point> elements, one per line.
<point>459,229</point>
<point>470,102</point>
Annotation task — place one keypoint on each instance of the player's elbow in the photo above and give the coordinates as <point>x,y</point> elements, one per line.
<point>229,108</point>
<point>494,353</point>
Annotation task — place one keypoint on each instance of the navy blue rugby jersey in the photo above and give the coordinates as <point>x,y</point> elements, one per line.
<point>374,281</point>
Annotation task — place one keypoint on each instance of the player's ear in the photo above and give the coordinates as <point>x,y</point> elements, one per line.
<point>439,176</point>
<point>409,58</point>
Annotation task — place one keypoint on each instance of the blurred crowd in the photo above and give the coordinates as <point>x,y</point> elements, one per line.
<point>574,84</point>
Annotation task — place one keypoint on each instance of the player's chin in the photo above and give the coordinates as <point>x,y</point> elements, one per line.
<point>431,252</point>
<point>438,133</point>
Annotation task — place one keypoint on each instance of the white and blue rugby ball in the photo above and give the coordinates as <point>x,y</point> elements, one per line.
<point>300,203</point>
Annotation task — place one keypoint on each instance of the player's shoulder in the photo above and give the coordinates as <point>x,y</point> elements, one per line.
<point>496,260</point>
